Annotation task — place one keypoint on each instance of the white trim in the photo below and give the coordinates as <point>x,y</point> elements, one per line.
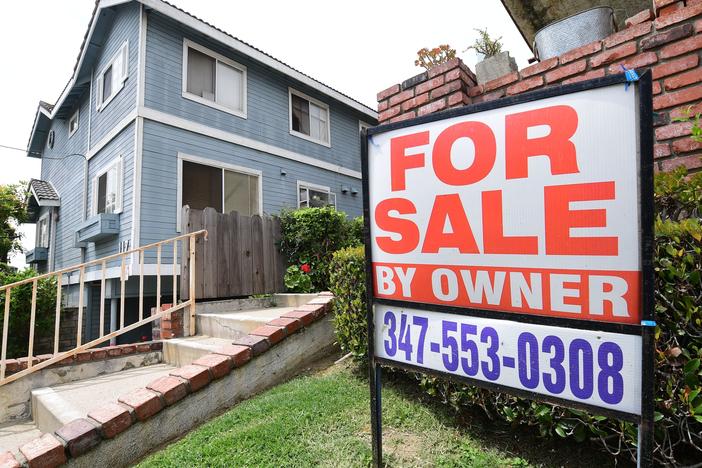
<point>119,203</point>
<point>315,187</point>
<point>112,134</point>
<point>37,238</point>
<point>217,164</point>
<point>123,53</point>
<point>363,124</point>
<point>187,43</point>
<point>136,185</point>
<point>318,103</point>
<point>76,116</point>
<point>52,238</point>
<point>241,47</point>
<point>141,81</point>
<point>184,124</point>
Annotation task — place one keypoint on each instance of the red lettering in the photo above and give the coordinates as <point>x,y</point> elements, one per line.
<point>485,153</point>
<point>400,161</point>
<point>407,229</point>
<point>494,240</point>
<point>563,122</point>
<point>449,207</point>
<point>560,219</point>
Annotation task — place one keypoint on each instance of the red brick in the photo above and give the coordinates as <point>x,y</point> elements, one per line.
<point>7,460</point>
<point>239,355</point>
<point>500,93</point>
<point>383,105</point>
<point>501,81</point>
<point>685,111</point>
<point>443,68</point>
<point>540,67</point>
<point>639,17</point>
<point>678,97</point>
<point>273,334</point>
<point>613,55</point>
<point>83,356</point>
<point>68,360</point>
<point>657,4</point>
<point>566,71</point>
<point>319,300</point>
<point>637,61</point>
<point>197,376</point>
<point>113,351</point>
<point>432,107</point>
<point>167,335</point>
<point>172,389</point>
<point>401,117</point>
<point>680,47</point>
<point>390,113</point>
<point>656,88</point>
<point>685,145</point>
<point>80,435</point>
<point>429,85</point>
<point>23,361</point>
<point>475,91</point>
<point>386,93</point>
<point>458,74</point>
<point>580,52</point>
<point>627,34</point>
<point>673,130</point>
<point>401,97</point>
<point>317,309</point>
<point>661,150</point>
<point>144,402</point>
<point>113,419</point>
<point>526,85</point>
<point>684,79</point>
<point>143,348</point>
<point>675,66</point>
<point>415,102</point>
<point>291,325</point>
<point>693,161</point>
<point>218,365</point>
<point>678,16</point>
<point>128,349</point>
<point>44,452</point>
<point>448,88</point>
<point>457,98</point>
<point>156,346</point>
<point>258,344</point>
<point>698,25</point>
<point>12,365</point>
<point>662,38</point>
<point>591,75</point>
<point>305,317</point>
<point>665,11</point>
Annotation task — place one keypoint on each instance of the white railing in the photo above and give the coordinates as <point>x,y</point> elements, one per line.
<point>122,328</point>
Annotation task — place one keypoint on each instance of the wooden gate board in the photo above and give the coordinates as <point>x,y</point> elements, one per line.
<point>240,257</point>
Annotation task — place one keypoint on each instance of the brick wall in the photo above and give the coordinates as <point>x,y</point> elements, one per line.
<point>665,39</point>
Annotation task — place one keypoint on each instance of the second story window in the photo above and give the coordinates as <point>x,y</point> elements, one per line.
<point>107,189</point>
<point>111,78</point>
<point>213,80</point>
<point>309,118</point>
<point>73,123</point>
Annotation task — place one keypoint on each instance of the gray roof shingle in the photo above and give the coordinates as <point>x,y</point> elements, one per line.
<point>43,190</point>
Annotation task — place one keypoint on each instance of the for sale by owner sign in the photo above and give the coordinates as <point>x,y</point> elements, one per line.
<point>509,246</point>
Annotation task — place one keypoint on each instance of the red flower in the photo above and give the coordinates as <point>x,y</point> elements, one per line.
<point>305,268</point>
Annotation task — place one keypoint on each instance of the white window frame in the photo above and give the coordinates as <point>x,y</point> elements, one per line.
<point>43,218</point>
<point>75,117</point>
<point>362,125</point>
<point>187,43</point>
<point>123,51</point>
<point>119,163</point>
<point>297,93</point>
<point>217,164</point>
<point>317,188</point>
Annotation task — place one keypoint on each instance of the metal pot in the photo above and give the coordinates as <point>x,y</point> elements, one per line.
<point>574,31</point>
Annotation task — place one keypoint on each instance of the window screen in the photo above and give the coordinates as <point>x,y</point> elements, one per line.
<point>201,74</point>
<point>241,193</point>
<point>300,114</point>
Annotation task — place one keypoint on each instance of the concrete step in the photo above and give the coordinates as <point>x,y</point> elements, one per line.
<point>182,351</point>
<point>14,435</point>
<point>234,324</point>
<point>52,407</point>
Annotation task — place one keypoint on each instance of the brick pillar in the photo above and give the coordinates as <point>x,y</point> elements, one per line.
<point>170,326</point>
<point>442,87</point>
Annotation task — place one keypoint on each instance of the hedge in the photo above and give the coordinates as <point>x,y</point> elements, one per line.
<point>678,388</point>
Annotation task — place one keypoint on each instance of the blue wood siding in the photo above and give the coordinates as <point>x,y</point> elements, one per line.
<point>162,143</point>
<point>267,98</point>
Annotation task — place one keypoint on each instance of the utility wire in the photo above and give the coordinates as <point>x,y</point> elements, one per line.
<point>39,154</point>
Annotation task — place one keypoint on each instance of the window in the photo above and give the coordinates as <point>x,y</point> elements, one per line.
<point>309,118</point>
<point>225,188</point>
<point>213,80</point>
<point>111,79</point>
<point>314,196</point>
<point>73,123</point>
<point>107,189</point>
<point>43,231</point>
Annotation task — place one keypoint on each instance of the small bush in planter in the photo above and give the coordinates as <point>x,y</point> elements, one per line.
<point>485,45</point>
<point>427,58</point>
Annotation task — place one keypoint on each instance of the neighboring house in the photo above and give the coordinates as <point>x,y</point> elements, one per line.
<point>163,110</point>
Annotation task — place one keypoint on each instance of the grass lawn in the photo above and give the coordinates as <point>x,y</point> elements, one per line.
<point>323,419</point>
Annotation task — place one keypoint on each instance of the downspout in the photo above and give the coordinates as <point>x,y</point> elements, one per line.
<point>85,162</point>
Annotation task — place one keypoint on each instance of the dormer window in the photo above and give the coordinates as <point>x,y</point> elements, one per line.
<point>214,80</point>
<point>73,123</point>
<point>112,77</point>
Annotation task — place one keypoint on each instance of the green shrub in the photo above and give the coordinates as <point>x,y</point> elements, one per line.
<point>20,311</point>
<point>311,235</point>
<point>347,281</point>
<point>297,280</point>
<point>678,388</point>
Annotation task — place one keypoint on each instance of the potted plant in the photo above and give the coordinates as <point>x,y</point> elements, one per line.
<point>496,62</point>
<point>427,58</point>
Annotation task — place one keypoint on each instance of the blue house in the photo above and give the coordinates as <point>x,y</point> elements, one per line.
<point>163,110</point>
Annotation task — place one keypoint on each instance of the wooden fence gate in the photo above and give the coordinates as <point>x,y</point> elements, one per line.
<point>239,258</point>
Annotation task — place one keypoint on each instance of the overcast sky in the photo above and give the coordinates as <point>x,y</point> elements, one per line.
<point>358,47</point>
